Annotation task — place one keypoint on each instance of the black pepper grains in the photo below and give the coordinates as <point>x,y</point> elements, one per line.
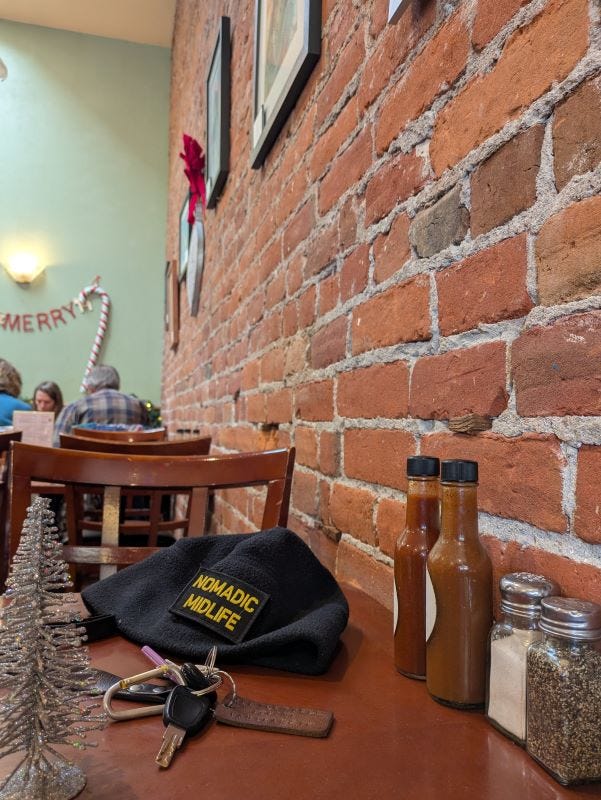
<point>564,691</point>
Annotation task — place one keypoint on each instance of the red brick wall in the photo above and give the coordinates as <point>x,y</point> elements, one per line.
<point>423,241</point>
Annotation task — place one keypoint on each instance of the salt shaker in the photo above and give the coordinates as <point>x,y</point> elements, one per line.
<point>563,699</point>
<point>521,595</point>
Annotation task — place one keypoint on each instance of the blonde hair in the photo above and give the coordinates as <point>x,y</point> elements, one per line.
<point>10,379</point>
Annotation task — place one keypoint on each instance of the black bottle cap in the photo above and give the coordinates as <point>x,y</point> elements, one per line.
<point>422,467</point>
<point>460,471</point>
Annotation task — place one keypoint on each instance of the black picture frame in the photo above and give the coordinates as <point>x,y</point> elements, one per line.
<point>184,237</point>
<point>278,82</point>
<point>396,9</point>
<point>218,115</point>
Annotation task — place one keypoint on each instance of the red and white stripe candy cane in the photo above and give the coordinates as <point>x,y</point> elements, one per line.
<point>82,299</point>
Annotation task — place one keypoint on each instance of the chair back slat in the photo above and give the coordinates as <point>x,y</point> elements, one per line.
<point>152,435</point>
<point>180,447</point>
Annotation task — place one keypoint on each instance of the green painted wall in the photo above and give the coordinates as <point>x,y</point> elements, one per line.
<point>83,182</point>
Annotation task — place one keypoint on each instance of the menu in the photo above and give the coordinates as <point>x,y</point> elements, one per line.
<point>37,426</point>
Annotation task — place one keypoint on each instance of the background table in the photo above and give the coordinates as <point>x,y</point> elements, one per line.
<point>389,739</point>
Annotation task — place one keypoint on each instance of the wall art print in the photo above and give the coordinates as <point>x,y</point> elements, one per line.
<point>287,47</point>
<point>218,115</point>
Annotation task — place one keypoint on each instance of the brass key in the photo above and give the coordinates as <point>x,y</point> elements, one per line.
<point>184,714</point>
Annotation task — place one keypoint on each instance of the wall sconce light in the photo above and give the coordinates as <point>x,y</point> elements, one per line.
<point>24,268</point>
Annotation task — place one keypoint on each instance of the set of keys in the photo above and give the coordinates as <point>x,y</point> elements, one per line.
<point>192,702</point>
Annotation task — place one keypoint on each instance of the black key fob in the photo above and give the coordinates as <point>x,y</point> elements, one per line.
<point>195,680</point>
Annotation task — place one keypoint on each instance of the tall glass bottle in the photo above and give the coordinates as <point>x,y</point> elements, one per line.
<point>459,590</point>
<point>422,526</point>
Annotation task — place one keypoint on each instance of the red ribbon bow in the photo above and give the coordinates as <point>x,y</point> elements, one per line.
<point>194,160</point>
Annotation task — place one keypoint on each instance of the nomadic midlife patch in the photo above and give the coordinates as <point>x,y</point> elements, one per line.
<point>224,604</point>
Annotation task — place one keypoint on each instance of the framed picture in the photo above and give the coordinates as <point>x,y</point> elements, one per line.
<point>218,115</point>
<point>172,304</point>
<point>287,47</point>
<point>184,237</point>
<point>196,259</point>
<point>396,8</point>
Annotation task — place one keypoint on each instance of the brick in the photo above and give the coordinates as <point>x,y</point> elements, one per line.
<point>346,170</point>
<point>557,368</point>
<point>250,375</point>
<point>299,227</point>
<point>354,273</point>
<point>435,69</point>
<point>255,408</point>
<point>390,523</point>
<point>329,143</point>
<point>306,307</point>
<point>347,66</point>
<point>533,59</point>
<point>392,249</point>
<point>278,406</point>
<point>567,251</point>
<point>577,133</point>
<point>377,455</point>
<point>315,401</point>
<point>378,391</point>
<point>290,319</point>
<point>491,16</point>
<point>328,344</point>
<point>304,492</point>
<point>321,250</point>
<point>587,519</point>
<point>291,196</point>
<point>574,578</point>
<point>324,505</point>
<point>393,47</point>
<point>394,182</point>
<point>443,224</point>
<point>352,511</point>
<point>305,441</point>
<point>294,274</point>
<point>296,356</point>
<point>486,287</point>
<point>401,314</point>
<point>329,292</point>
<point>519,477</point>
<point>359,569</point>
<point>347,225</point>
<point>272,366</point>
<point>329,452</point>
<point>505,184</point>
<point>459,382</point>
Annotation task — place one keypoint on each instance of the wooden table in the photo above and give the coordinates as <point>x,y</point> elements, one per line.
<point>389,740</point>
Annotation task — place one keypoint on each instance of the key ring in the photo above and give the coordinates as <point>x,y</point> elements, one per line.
<point>210,672</point>
<point>140,711</point>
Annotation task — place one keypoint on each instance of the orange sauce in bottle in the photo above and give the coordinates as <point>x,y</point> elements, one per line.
<point>412,547</point>
<point>460,576</point>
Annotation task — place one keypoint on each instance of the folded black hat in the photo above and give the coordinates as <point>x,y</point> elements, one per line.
<point>262,598</point>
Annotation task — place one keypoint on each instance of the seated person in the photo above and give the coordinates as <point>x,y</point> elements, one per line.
<point>103,403</point>
<point>10,389</point>
<point>47,396</point>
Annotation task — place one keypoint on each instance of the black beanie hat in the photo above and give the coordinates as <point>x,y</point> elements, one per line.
<point>297,629</point>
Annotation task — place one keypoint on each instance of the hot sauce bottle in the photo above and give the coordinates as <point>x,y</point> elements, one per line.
<point>412,547</point>
<point>459,592</point>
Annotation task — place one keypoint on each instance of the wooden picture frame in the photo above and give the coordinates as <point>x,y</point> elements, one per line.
<point>396,8</point>
<point>218,115</point>
<point>172,304</point>
<point>287,47</point>
<point>184,237</point>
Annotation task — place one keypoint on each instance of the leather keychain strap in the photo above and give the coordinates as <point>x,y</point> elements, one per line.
<point>138,693</point>
<point>245,713</point>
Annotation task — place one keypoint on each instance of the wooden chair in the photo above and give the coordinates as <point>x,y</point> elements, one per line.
<point>5,440</point>
<point>73,468</point>
<point>137,509</point>
<point>153,435</point>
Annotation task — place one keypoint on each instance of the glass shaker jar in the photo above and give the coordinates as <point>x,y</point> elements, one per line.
<point>521,595</point>
<point>563,694</point>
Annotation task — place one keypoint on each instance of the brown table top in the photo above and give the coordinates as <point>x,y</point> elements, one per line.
<point>389,739</point>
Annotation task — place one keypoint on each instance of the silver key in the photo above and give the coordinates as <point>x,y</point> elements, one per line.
<point>184,714</point>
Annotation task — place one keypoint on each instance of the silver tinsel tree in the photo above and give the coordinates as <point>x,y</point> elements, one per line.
<point>46,695</point>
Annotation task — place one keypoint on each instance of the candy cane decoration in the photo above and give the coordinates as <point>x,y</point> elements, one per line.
<point>84,304</point>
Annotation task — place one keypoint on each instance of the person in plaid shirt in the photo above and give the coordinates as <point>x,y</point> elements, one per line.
<point>103,403</point>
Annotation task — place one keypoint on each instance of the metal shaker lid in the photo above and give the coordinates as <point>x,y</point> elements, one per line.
<point>522,592</point>
<point>570,618</point>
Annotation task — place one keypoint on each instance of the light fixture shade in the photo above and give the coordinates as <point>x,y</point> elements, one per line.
<point>24,267</point>
<point>3,71</point>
